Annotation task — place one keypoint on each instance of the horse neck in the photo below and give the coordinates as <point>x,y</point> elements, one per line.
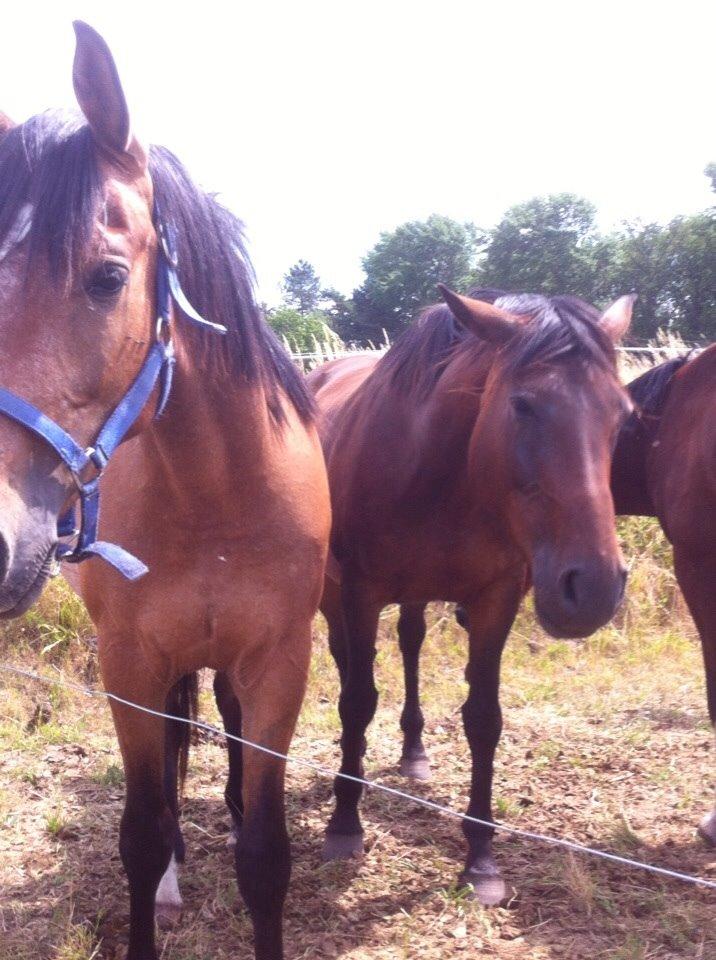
<point>458,395</point>
<point>629,480</point>
<point>214,438</point>
<point>443,428</point>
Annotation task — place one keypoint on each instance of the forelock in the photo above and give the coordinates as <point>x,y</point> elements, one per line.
<point>558,327</point>
<point>528,305</point>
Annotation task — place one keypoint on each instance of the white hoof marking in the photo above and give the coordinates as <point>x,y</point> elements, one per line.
<point>168,895</point>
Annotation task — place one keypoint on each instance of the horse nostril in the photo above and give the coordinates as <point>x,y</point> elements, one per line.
<point>4,558</point>
<point>569,586</point>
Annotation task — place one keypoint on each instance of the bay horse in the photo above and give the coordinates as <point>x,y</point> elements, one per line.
<point>665,466</point>
<point>471,458</point>
<point>107,251</point>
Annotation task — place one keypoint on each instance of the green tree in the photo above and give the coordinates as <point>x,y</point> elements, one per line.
<point>633,262</point>
<point>339,312</point>
<point>689,275</point>
<point>402,272</point>
<point>302,330</point>
<point>673,270</point>
<point>302,287</point>
<point>546,245</point>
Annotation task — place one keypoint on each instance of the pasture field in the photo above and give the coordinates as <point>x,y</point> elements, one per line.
<point>606,742</point>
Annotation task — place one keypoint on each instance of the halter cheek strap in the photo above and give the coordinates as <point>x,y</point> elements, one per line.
<point>157,367</point>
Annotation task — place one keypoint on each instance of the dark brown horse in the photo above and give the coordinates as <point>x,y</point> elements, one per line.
<point>473,455</point>
<point>665,466</point>
<point>224,496</point>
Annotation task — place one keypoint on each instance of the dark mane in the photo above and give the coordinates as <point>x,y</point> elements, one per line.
<point>650,390</point>
<point>418,357</point>
<point>50,161</point>
<point>558,327</point>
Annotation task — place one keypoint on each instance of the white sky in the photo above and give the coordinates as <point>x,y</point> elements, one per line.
<point>323,124</point>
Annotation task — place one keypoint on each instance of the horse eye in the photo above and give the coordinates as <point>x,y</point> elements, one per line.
<point>106,281</point>
<point>522,406</point>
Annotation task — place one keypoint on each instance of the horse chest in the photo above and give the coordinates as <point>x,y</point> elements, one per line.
<point>439,559</point>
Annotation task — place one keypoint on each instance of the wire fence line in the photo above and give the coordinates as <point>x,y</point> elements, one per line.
<point>570,845</point>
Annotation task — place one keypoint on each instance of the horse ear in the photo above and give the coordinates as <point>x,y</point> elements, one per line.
<point>99,93</point>
<point>6,124</point>
<point>615,321</point>
<point>483,319</point>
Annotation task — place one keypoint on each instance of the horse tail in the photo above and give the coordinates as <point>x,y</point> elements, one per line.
<point>184,700</point>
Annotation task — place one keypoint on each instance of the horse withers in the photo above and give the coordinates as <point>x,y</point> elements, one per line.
<point>471,457</point>
<point>665,466</point>
<point>223,496</point>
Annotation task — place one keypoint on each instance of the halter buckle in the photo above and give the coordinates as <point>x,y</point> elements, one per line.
<point>95,456</point>
<point>163,333</point>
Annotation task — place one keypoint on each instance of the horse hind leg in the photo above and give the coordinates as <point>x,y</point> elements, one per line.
<point>230,710</point>
<point>333,612</point>
<point>357,704</point>
<point>414,761</point>
<point>461,616</point>
<point>181,702</point>
<point>696,574</point>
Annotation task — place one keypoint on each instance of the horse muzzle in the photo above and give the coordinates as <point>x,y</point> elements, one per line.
<point>575,598</point>
<point>25,566</point>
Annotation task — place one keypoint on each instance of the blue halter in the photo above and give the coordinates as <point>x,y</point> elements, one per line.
<point>157,367</point>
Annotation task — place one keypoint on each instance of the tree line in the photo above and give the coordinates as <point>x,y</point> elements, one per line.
<point>547,245</point>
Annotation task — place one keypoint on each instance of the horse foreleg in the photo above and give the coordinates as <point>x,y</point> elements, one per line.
<point>269,710</point>
<point>411,633</point>
<point>696,573</point>
<point>230,710</point>
<point>177,737</point>
<point>358,700</point>
<point>489,622</point>
<point>148,827</point>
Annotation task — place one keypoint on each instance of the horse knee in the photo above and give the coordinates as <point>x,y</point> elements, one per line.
<point>357,705</point>
<point>483,724</point>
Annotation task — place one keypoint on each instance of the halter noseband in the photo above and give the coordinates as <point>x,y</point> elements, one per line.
<point>157,367</point>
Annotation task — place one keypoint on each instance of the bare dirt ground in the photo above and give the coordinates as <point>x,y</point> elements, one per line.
<point>606,743</point>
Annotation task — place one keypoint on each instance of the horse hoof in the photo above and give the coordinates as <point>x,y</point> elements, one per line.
<point>342,846</point>
<point>707,828</point>
<point>168,915</point>
<point>416,768</point>
<point>488,887</point>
